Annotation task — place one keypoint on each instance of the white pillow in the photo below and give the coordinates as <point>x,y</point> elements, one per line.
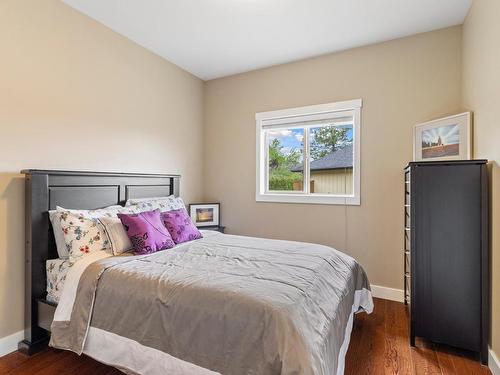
<point>58,234</point>
<point>120,243</point>
<point>82,235</point>
<point>133,201</point>
<point>55,219</point>
<point>163,204</point>
<point>110,211</point>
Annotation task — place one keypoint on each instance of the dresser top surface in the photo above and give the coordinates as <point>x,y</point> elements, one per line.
<point>446,162</point>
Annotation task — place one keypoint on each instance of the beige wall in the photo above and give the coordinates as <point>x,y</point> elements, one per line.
<point>401,82</point>
<point>481,89</point>
<point>75,95</point>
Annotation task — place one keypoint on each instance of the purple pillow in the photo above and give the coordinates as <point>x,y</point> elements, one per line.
<point>146,232</point>
<point>180,225</point>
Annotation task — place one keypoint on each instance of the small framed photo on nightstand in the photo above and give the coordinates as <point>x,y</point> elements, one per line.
<point>205,214</point>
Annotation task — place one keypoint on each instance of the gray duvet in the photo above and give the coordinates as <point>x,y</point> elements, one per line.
<point>232,304</point>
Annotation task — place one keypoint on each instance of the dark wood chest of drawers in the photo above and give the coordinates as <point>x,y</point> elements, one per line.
<point>446,253</point>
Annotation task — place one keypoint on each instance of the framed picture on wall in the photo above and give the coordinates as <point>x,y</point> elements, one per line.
<point>447,138</point>
<point>205,214</point>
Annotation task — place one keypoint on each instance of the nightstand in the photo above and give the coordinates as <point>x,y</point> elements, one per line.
<point>218,228</point>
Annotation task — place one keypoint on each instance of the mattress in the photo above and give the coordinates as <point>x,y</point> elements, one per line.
<point>57,269</point>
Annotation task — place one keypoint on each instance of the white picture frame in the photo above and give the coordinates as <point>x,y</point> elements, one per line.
<point>448,138</point>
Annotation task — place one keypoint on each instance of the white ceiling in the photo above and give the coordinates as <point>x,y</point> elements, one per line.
<point>216,38</point>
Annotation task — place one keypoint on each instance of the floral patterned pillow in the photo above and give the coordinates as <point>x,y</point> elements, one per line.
<point>82,235</point>
<point>110,211</point>
<point>149,204</point>
<point>55,219</point>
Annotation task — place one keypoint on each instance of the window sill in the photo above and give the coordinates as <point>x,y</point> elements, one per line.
<point>308,199</point>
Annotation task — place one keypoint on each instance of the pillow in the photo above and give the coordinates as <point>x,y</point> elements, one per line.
<point>133,201</point>
<point>82,235</point>
<point>163,204</point>
<point>118,238</point>
<point>180,226</point>
<point>55,218</point>
<point>58,234</point>
<point>146,232</point>
<point>110,211</point>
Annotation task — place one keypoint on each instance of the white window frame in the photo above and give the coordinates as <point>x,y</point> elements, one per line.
<point>292,116</point>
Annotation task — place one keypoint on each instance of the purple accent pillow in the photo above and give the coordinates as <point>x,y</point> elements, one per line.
<point>146,232</point>
<point>180,225</point>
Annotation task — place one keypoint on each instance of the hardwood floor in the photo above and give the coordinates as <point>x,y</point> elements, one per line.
<point>379,345</point>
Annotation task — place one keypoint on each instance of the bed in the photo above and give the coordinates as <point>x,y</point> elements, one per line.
<point>221,304</point>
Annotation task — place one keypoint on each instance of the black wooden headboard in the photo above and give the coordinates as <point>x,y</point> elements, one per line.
<point>47,189</point>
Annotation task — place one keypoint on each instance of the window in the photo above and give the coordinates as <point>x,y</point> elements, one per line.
<point>310,154</point>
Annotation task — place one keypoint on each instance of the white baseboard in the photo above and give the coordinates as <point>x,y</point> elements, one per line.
<point>493,363</point>
<point>8,344</point>
<point>387,293</point>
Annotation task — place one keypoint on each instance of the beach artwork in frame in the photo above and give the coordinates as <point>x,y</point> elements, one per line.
<point>205,214</point>
<point>447,138</point>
